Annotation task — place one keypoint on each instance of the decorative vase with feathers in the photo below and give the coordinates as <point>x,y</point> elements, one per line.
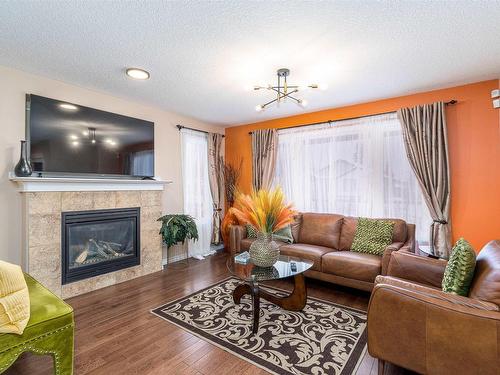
<point>266,211</point>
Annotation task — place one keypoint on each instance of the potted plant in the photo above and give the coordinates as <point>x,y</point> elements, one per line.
<point>267,212</point>
<point>177,228</point>
<point>232,176</point>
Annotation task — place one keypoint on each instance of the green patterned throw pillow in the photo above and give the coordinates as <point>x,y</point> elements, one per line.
<point>459,271</point>
<point>372,236</point>
<point>284,235</point>
<point>251,231</point>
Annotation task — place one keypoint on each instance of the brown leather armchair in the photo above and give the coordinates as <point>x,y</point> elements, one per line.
<point>413,324</point>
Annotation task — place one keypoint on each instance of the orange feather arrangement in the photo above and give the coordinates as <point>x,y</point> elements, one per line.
<point>265,210</point>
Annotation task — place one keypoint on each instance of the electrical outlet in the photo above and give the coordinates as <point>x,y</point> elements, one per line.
<point>495,94</point>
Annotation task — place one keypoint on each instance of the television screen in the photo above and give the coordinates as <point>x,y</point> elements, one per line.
<point>70,138</point>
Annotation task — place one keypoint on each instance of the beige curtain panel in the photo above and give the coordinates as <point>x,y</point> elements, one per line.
<point>426,143</point>
<point>264,149</point>
<point>216,181</point>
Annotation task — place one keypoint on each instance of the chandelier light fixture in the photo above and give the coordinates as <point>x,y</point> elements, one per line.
<point>89,136</point>
<point>284,91</point>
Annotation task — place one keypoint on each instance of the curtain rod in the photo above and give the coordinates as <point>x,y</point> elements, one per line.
<point>180,127</point>
<point>451,102</point>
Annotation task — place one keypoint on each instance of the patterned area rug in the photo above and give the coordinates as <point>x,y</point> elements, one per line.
<point>324,338</point>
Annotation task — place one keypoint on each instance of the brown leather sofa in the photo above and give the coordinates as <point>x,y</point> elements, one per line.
<point>415,325</point>
<point>326,239</point>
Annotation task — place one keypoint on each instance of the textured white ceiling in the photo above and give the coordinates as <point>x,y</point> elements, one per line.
<point>201,55</point>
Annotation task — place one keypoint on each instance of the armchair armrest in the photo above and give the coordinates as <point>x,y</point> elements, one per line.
<point>386,256</point>
<point>438,294</point>
<point>236,234</point>
<point>432,332</point>
<point>410,242</point>
<point>420,269</point>
<point>407,246</point>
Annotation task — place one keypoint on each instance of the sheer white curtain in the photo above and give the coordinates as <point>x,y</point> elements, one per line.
<point>197,198</point>
<point>352,167</point>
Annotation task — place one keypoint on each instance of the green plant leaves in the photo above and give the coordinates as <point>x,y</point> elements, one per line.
<point>177,228</point>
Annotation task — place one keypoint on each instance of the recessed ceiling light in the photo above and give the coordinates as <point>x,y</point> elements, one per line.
<point>68,106</point>
<point>74,137</point>
<point>137,73</point>
<point>75,143</point>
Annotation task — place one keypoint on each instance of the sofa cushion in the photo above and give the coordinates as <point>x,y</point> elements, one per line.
<point>245,243</point>
<point>321,229</point>
<point>350,225</point>
<point>359,266</point>
<point>305,251</point>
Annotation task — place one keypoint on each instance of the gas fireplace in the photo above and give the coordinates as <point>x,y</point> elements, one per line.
<point>99,241</point>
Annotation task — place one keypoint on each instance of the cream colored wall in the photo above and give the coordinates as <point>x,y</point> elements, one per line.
<point>14,84</point>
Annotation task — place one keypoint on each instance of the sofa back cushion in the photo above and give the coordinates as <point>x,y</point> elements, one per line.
<point>486,282</point>
<point>321,229</point>
<point>295,227</point>
<point>350,225</point>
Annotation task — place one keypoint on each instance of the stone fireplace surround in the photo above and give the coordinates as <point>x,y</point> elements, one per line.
<point>42,227</point>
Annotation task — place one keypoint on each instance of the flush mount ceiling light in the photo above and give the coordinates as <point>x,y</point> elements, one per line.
<point>137,73</point>
<point>283,90</point>
<point>68,106</point>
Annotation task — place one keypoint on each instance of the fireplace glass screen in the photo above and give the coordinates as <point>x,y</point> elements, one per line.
<point>97,242</point>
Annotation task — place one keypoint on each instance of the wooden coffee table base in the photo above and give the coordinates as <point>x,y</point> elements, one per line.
<point>293,302</point>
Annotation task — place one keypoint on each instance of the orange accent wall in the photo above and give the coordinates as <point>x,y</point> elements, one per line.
<point>474,147</point>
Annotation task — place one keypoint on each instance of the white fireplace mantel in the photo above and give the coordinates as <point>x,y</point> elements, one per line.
<point>39,184</point>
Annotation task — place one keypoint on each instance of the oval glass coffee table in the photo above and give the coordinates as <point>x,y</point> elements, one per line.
<point>251,275</point>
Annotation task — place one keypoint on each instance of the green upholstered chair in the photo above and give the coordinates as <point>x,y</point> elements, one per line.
<point>49,331</point>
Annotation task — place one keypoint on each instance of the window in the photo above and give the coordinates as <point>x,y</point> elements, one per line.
<point>197,197</point>
<point>354,167</point>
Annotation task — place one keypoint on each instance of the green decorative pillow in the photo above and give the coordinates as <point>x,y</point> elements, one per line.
<point>460,269</point>
<point>251,231</point>
<point>372,236</point>
<point>284,235</point>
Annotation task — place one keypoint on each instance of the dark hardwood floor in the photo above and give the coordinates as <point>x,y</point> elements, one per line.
<point>117,334</point>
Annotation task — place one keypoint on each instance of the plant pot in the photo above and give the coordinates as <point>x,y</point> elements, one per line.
<point>264,252</point>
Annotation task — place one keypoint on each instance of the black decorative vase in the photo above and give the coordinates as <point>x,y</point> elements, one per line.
<point>23,167</point>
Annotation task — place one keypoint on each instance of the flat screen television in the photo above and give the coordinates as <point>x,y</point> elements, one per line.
<point>69,139</point>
